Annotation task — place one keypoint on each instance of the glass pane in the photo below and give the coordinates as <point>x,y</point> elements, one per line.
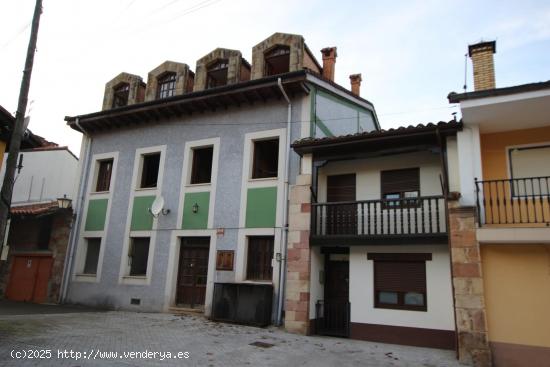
<point>411,194</point>
<point>414,299</point>
<point>388,297</point>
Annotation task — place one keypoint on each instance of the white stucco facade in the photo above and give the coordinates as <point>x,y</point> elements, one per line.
<point>46,175</point>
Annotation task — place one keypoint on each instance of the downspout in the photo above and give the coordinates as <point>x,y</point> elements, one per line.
<point>69,256</point>
<point>284,237</point>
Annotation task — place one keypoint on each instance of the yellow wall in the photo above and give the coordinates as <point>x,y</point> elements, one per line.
<point>517,293</point>
<point>493,149</point>
<point>2,150</point>
<point>494,158</point>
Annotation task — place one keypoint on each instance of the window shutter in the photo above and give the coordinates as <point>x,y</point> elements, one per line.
<point>400,276</point>
<point>400,180</point>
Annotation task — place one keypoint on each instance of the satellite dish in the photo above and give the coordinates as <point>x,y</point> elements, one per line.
<point>157,206</point>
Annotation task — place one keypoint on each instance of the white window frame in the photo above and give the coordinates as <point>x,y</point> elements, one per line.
<point>80,256</point>
<point>124,270</point>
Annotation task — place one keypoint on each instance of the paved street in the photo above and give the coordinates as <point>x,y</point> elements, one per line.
<point>208,343</point>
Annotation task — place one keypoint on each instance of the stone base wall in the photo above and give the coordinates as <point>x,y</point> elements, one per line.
<point>298,257</point>
<point>473,341</point>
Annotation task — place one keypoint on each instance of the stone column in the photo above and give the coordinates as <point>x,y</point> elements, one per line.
<point>298,257</point>
<point>473,340</point>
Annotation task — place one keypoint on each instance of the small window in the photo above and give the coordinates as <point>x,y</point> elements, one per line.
<point>166,86</point>
<point>266,158</point>
<point>216,74</point>
<point>93,246</point>
<point>150,170</point>
<point>400,188</point>
<point>138,256</point>
<point>400,281</point>
<point>121,93</point>
<point>260,254</point>
<point>277,60</point>
<point>104,175</point>
<point>201,171</point>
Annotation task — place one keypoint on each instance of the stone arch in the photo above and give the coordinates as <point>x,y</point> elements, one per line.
<point>238,68</point>
<point>136,91</point>
<point>184,79</point>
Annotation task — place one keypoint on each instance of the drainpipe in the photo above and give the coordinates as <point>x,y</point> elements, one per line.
<point>284,237</point>
<point>69,256</point>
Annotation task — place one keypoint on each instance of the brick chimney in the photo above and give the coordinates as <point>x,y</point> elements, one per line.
<point>329,62</point>
<point>355,80</point>
<point>484,68</point>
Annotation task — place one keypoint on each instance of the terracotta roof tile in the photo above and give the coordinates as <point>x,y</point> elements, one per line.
<point>34,209</point>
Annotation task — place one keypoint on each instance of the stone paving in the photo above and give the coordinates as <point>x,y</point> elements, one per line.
<point>208,343</point>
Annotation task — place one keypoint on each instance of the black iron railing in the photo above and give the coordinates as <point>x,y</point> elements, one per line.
<point>384,217</point>
<point>514,201</point>
<point>332,318</point>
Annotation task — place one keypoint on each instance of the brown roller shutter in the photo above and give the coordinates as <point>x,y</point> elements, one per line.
<point>400,276</point>
<point>400,180</point>
<point>341,188</point>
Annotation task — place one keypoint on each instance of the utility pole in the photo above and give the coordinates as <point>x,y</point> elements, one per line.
<point>17,133</point>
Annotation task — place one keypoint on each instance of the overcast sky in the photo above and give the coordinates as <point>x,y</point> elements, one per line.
<point>410,53</point>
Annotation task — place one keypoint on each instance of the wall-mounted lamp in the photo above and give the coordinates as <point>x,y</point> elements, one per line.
<point>64,202</point>
<point>195,208</point>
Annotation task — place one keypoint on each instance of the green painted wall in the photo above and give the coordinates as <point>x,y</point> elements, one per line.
<point>97,212</point>
<point>198,220</point>
<point>142,220</point>
<point>261,207</point>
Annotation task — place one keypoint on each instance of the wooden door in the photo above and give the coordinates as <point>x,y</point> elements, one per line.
<point>29,278</point>
<point>336,308</point>
<point>342,218</point>
<point>192,272</point>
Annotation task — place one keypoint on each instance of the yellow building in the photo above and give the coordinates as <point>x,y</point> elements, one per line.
<point>504,153</point>
<point>6,124</point>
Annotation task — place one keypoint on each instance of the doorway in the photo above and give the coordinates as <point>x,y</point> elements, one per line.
<point>333,313</point>
<point>341,218</point>
<point>29,278</point>
<point>192,272</point>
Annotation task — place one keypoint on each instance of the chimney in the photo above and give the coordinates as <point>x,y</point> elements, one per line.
<point>329,60</point>
<point>484,68</point>
<point>355,83</point>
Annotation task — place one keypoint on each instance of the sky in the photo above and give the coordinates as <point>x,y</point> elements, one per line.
<point>411,54</point>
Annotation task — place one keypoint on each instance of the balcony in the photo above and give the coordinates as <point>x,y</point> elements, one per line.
<point>415,220</point>
<point>519,202</point>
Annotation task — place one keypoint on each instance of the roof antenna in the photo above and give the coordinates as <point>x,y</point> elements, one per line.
<point>465,71</point>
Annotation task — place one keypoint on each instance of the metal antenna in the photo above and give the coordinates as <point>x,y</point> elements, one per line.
<point>465,71</point>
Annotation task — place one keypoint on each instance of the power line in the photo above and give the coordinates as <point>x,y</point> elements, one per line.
<point>19,33</point>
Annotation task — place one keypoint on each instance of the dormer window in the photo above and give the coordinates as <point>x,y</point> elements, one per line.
<point>121,93</point>
<point>277,60</point>
<point>216,74</point>
<point>166,85</point>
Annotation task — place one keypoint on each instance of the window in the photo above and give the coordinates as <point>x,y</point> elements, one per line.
<point>266,158</point>
<point>400,280</point>
<point>150,170</point>
<point>277,60</point>
<point>104,175</point>
<point>400,187</point>
<point>138,256</point>
<point>529,170</point>
<point>166,85</point>
<point>201,170</point>
<point>121,93</point>
<point>216,74</point>
<point>260,254</point>
<point>93,246</point>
